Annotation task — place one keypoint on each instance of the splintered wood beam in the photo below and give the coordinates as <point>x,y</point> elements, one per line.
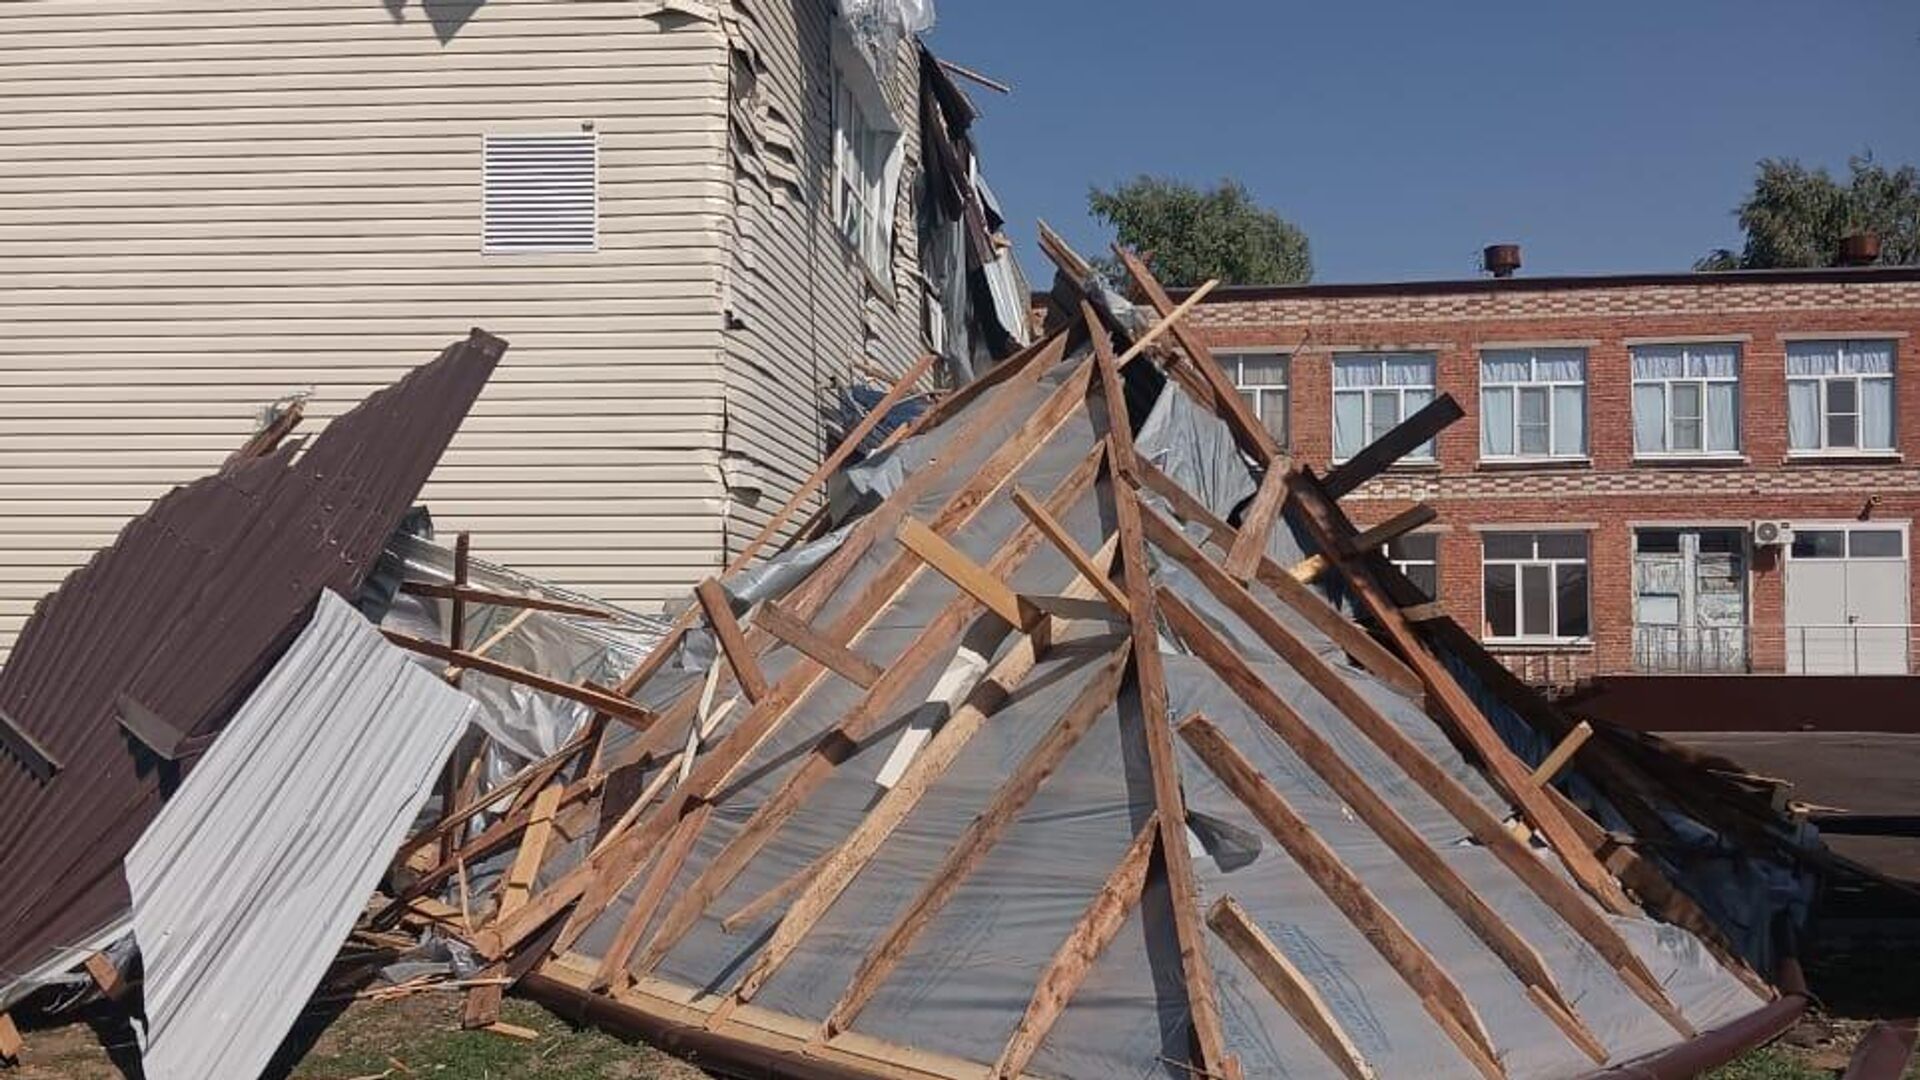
<point>1421,768</point>
<point>618,707</point>
<point>466,594</point>
<point>1063,541</point>
<point>1168,321</point>
<point>1308,604</point>
<point>596,881</point>
<point>935,641</point>
<point>969,576</point>
<point>270,436</point>
<point>1427,612</point>
<point>1288,986</point>
<point>1391,529</point>
<point>1380,454</point>
<point>106,977</point>
<point>1247,429</point>
<point>482,1008</point>
<point>1438,993</point>
<point>533,775</point>
<point>1210,1053</point>
<point>11,1044</point>
<point>1308,570</point>
<point>898,392</point>
<point>518,884</point>
<point>1399,835</point>
<point>982,833</point>
<point>613,965</point>
<point>803,636</point>
<point>1097,927</point>
<point>1243,559</point>
<point>1329,526</point>
<point>1562,754</point>
<point>733,643</point>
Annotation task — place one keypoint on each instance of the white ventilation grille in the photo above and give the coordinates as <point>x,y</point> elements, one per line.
<point>542,193</point>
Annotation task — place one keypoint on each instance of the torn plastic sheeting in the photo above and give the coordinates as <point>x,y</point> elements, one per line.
<point>251,877</point>
<point>879,26</point>
<point>1195,449</point>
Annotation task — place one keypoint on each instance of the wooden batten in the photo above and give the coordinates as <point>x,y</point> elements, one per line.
<point>733,643</point>
<point>1391,529</point>
<point>618,707</point>
<point>1288,986</point>
<point>969,576</point>
<point>1243,559</point>
<point>1562,755</point>
<point>803,636</point>
<point>518,884</point>
<point>1063,542</point>
<point>613,966</point>
<point>106,977</point>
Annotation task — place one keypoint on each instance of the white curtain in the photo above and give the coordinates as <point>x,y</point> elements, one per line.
<point>1561,365</point>
<point>1349,424</point>
<point>1658,362</point>
<point>1260,370</point>
<point>1869,357</point>
<point>1723,416</point>
<point>1649,418</point>
<point>1716,361</point>
<point>1409,369</point>
<point>1813,358</point>
<point>1356,371</point>
<point>1569,420</point>
<point>1505,366</point>
<point>1496,421</point>
<point>1876,414</point>
<point>1803,412</point>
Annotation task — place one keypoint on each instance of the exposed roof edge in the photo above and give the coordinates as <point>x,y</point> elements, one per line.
<point>1227,294</point>
<point>1714,1048</point>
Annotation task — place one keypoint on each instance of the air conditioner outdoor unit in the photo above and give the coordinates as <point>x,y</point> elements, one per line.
<point>1772,533</point>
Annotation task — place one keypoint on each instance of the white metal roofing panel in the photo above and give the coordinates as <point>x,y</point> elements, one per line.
<point>249,880</point>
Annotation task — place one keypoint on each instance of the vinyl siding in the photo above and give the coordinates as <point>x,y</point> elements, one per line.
<point>205,206</point>
<point>802,310</point>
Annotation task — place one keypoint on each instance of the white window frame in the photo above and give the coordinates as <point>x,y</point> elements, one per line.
<point>1825,383</point>
<point>1258,394</point>
<point>1666,402</point>
<point>1546,386</point>
<point>1422,453</point>
<point>1403,564</point>
<point>1553,563</point>
<point>863,148</point>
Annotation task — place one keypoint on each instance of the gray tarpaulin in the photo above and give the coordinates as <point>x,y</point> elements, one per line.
<point>252,876</point>
<point>964,983</point>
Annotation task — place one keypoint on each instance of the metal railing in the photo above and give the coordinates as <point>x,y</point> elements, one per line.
<point>1693,650</point>
<point>1849,648</point>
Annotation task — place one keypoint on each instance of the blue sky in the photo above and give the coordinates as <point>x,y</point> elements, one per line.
<point>1403,136</point>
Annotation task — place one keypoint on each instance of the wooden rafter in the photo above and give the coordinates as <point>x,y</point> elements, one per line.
<point>982,833</point>
<point>1318,754</point>
<point>733,643</point>
<point>1406,437</point>
<point>1391,529</point>
<point>1209,1030</point>
<point>1288,986</point>
<point>1243,559</point>
<point>613,964</point>
<point>618,707</point>
<point>1076,956</point>
<point>1438,993</point>
<point>968,576</point>
<point>1064,543</point>
<point>803,636</point>
<point>1420,767</point>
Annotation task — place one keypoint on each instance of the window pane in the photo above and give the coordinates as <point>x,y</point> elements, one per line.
<point>1356,371</point>
<point>1657,541</point>
<point>1803,414</point>
<point>1649,418</point>
<point>1842,430</point>
<point>1500,545</point>
<point>1842,396</point>
<point>1876,544</point>
<point>1722,541</point>
<point>1273,413</point>
<point>1536,600</point>
<point>1658,362</point>
<point>1563,545</point>
<point>1868,357</point>
<point>1414,546</point>
<point>1496,422</point>
<point>1723,416</point>
<point>1409,369</point>
<point>1426,578</point>
<point>1506,366</point>
<point>1349,423</point>
<point>1569,420</point>
<point>1383,412</point>
<point>1819,544</point>
<point>1813,357</point>
<point>1252,398</point>
<point>1572,595</point>
<point>1259,370</point>
<point>1686,401</point>
<point>1533,420</point>
<point>1499,601</point>
<point>1412,402</point>
<point>1561,365</point>
<point>1876,414</point>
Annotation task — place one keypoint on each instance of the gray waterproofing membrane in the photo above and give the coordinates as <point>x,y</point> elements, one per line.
<point>963,986</point>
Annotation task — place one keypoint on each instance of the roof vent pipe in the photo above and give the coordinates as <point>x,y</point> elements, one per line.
<point>1501,260</point>
<point>1859,249</point>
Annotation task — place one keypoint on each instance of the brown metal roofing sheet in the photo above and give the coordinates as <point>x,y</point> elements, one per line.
<point>182,615</point>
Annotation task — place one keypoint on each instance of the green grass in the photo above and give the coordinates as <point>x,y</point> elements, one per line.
<point>1770,1063</point>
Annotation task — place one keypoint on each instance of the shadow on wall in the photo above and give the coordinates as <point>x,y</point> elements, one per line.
<point>446,16</point>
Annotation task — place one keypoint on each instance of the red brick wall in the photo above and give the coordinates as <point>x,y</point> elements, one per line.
<point>1613,490</point>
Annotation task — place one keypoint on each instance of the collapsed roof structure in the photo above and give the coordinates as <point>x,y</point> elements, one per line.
<point>1092,739</point>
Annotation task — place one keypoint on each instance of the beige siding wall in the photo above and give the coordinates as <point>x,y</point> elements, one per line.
<point>803,310</point>
<point>204,206</point>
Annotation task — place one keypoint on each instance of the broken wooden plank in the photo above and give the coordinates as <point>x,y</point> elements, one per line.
<point>482,1007</point>
<point>1562,755</point>
<point>969,576</point>
<point>617,707</point>
<point>1420,767</point>
<point>733,644</point>
<point>1308,570</point>
<point>106,976</point>
<point>265,441</point>
<point>1077,954</point>
<point>613,965</point>
<point>1329,526</point>
<point>1063,542</point>
<point>1243,559</point>
<point>518,884</point>
<point>1438,993</point>
<point>514,1031</point>
<point>1391,529</point>
<point>1167,322</point>
<point>11,1044</point>
<point>1318,754</point>
<point>1430,611</point>
<point>802,635</point>
<point>981,834</point>
<point>1380,454</point>
<point>467,594</point>
<point>1288,986</point>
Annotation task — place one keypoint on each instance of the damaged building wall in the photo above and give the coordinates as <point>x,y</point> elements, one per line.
<point>206,207</point>
<point>802,305</point>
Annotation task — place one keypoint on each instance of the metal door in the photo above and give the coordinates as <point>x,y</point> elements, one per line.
<point>1847,600</point>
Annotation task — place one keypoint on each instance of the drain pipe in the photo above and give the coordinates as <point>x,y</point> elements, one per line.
<point>1712,1049</point>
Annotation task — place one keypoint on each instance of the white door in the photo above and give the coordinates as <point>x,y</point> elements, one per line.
<point>1847,600</point>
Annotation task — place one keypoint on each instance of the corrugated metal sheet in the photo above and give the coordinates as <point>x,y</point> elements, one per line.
<point>294,815</point>
<point>182,615</point>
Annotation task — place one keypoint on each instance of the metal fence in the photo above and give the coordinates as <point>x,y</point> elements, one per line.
<point>1850,648</point>
<point>1693,650</point>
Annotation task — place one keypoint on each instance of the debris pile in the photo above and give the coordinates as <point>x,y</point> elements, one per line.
<point>1094,739</point>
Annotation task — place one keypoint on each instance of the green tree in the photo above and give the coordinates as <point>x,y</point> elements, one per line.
<point>1190,235</point>
<point>1795,216</point>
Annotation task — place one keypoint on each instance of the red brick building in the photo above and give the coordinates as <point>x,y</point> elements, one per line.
<point>1625,436</point>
